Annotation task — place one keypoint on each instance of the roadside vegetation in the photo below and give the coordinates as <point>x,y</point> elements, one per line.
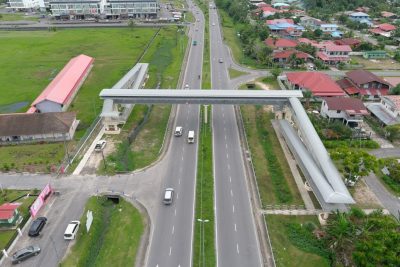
<point>206,71</point>
<point>165,56</point>
<point>113,238</point>
<point>233,73</point>
<point>275,181</point>
<point>204,244</point>
<point>17,16</point>
<point>31,158</point>
<point>20,196</point>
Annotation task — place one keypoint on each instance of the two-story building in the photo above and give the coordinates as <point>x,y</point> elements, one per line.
<point>328,28</point>
<point>361,17</point>
<point>82,9</point>
<point>384,29</point>
<point>285,28</point>
<point>333,54</point>
<point>349,110</point>
<point>364,83</point>
<point>280,44</point>
<point>310,22</point>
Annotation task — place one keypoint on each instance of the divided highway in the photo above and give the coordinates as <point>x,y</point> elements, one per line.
<point>172,237</point>
<point>236,237</point>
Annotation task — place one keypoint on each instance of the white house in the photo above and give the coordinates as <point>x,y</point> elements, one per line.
<point>24,4</point>
<point>328,28</point>
<point>392,105</point>
<point>349,110</point>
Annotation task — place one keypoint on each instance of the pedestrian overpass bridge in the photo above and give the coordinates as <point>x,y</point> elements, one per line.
<point>300,135</point>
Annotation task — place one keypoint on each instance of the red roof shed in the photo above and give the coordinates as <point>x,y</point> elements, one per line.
<point>7,210</point>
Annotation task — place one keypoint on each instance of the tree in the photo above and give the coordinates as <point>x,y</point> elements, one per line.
<point>307,95</point>
<point>395,90</point>
<point>393,132</point>
<point>276,72</point>
<point>397,56</point>
<point>306,48</point>
<point>318,32</point>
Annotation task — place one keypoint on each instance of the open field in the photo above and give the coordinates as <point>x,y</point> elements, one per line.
<point>30,60</point>
<point>165,56</point>
<point>377,64</point>
<point>274,178</point>
<point>286,253</point>
<point>235,73</point>
<point>31,158</point>
<point>16,16</point>
<point>113,238</point>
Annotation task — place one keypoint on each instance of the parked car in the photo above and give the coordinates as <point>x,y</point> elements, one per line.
<point>72,229</point>
<point>37,226</point>
<point>24,254</point>
<point>100,145</point>
<point>168,196</point>
<point>220,60</point>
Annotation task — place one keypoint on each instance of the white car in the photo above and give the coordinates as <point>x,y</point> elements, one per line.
<point>213,24</point>
<point>187,86</point>
<point>178,131</point>
<point>168,196</point>
<point>220,60</point>
<point>72,229</point>
<point>100,145</point>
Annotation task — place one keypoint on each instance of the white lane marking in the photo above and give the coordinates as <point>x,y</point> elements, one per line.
<point>223,115</point>
<point>182,157</point>
<point>170,250</point>
<point>175,212</point>
<point>233,208</point>
<point>230,179</point>
<point>173,228</point>
<point>235,228</point>
<point>226,145</point>
<point>225,137</point>
<point>229,167</point>
<point>179,181</point>
<point>237,248</point>
<point>231,193</point>
<point>227,156</point>
<point>177,195</point>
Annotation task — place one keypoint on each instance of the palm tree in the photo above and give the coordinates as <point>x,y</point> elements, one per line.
<point>307,95</point>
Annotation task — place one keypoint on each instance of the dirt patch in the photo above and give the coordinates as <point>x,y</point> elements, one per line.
<point>263,85</point>
<point>364,197</point>
<point>377,64</point>
<point>96,158</point>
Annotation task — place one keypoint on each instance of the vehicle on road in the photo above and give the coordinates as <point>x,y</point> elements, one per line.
<point>168,196</point>
<point>187,86</point>
<point>72,229</point>
<point>24,254</point>
<point>194,42</point>
<point>37,226</point>
<point>220,60</point>
<point>191,137</point>
<point>178,131</point>
<point>100,145</point>
<point>213,24</point>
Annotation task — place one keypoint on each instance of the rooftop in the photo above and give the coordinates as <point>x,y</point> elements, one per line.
<point>395,99</point>
<point>359,14</point>
<point>7,210</point>
<point>351,105</point>
<point>17,124</point>
<point>288,53</point>
<point>61,87</point>
<point>320,84</point>
<point>363,76</point>
<point>281,42</point>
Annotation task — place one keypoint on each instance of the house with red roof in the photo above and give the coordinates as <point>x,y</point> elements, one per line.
<point>320,84</point>
<point>352,42</point>
<point>280,43</point>
<point>388,15</point>
<point>283,58</point>
<point>332,54</point>
<point>384,29</point>
<point>268,11</point>
<point>303,40</point>
<point>347,109</point>
<point>364,83</point>
<point>60,92</point>
<point>9,215</point>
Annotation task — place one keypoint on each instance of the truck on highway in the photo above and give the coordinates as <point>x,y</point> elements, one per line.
<point>191,137</point>
<point>194,42</point>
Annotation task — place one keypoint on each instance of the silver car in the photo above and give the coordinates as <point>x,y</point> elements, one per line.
<point>25,253</point>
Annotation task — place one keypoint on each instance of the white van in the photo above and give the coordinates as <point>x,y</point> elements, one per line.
<point>191,137</point>
<point>72,229</point>
<point>178,131</point>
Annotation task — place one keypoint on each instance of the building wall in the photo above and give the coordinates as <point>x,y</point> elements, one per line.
<point>333,114</point>
<point>390,108</point>
<point>23,4</point>
<point>49,106</point>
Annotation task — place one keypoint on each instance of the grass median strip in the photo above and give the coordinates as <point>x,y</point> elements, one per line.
<point>204,246</point>
<point>113,238</point>
<point>275,181</point>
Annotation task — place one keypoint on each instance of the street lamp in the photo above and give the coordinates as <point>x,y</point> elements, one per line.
<point>202,250</point>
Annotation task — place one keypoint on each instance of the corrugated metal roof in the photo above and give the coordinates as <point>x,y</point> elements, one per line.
<point>66,81</point>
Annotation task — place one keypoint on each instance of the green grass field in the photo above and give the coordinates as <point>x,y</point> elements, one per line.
<point>233,73</point>
<point>113,238</point>
<point>286,253</point>
<point>30,60</point>
<point>16,16</point>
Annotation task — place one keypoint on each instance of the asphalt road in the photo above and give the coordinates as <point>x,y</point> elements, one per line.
<point>236,238</point>
<point>172,239</point>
